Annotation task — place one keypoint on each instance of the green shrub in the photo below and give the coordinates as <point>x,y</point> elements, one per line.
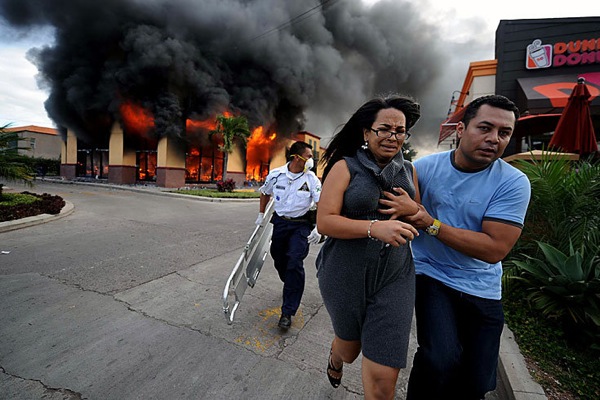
<point>23,206</point>
<point>45,166</point>
<point>565,287</point>
<point>565,204</point>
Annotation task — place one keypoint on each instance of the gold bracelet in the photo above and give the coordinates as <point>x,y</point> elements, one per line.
<point>369,230</point>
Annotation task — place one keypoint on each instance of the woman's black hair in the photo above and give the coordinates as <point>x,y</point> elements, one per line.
<point>348,140</point>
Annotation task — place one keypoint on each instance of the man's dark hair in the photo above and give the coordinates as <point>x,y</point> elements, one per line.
<point>494,100</point>
<point>298,148</point>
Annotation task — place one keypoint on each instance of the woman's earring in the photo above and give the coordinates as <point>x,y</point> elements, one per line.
<point>365,146</point>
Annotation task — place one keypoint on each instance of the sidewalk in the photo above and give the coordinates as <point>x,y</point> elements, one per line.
<point>517,383</point>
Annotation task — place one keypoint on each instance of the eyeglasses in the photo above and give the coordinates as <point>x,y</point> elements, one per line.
<point>386,134</point>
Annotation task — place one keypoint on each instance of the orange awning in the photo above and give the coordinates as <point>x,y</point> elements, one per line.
<point>448,127</point>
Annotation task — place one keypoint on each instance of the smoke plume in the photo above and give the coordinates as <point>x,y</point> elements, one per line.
<point>286,65</point>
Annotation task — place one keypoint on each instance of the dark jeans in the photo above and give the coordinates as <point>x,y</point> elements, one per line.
<point>289,248</point>
<point>459,340</point>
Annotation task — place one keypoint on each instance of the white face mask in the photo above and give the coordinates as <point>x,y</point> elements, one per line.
<point>309,164</point>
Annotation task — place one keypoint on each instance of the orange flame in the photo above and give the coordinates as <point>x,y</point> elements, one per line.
<point>136,119</point>
<point>207,124</point>
<point>259,150</point>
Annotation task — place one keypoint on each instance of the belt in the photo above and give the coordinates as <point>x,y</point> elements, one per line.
<point>300,218</point>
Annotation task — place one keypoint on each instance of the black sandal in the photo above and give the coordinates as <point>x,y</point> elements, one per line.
<point>335,382</point>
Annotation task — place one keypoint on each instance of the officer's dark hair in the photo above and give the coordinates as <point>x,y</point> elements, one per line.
<point>347,141</point>
<point>298,148</point>
<point>494,100</point>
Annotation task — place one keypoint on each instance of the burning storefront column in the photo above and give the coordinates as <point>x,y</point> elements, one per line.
<point>235,165</point>
<point>68,156</point>
<point>261,148</point>
<point>121,161</point>
<point>170,169</point>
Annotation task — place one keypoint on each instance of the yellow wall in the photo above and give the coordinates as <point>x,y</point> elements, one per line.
<point>170,153</point>
<point>118,154</point>
<point>235,161</point>
<point>71,148</point>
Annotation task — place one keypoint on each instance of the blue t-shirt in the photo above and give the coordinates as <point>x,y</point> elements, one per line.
<point>464,200</point>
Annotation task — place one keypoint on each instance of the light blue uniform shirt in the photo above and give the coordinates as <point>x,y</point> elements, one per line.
<point>293,193</point>
<point>464,200</point>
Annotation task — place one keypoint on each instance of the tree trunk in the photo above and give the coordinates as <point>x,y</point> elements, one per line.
<point>225,160</point>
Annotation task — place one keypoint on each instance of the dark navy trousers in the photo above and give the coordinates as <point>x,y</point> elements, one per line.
<point>459,340</point>
<point>289,248</point>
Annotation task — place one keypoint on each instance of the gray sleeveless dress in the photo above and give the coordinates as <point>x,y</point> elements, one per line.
<point>369,289</point>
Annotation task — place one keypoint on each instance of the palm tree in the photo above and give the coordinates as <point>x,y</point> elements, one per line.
<point>12,168</point>
<point>408,152</point>
<point>230,128</point>
<point>565,203</point>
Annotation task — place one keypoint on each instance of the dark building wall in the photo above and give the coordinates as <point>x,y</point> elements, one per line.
<point>513,37</point>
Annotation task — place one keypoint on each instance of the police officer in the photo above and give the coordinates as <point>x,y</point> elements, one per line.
<point>295,189</point>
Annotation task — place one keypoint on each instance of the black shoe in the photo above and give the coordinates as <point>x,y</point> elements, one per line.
<point>335,382</point>
<point>285,321</point>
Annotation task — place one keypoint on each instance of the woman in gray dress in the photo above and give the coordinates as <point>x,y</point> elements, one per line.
<point>365,267</point>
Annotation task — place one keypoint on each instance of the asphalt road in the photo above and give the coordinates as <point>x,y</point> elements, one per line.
<point>122,299</point>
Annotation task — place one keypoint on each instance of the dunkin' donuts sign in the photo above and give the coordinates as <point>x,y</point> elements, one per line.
<point>575,52</point>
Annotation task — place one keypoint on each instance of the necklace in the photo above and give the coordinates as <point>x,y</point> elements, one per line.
<point>292,180</point>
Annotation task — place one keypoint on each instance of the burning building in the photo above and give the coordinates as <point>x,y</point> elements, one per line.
<point>173,163</point>
<point>132,154</point>
<point>134,86</point>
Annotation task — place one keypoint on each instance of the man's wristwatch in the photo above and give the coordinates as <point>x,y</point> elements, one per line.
<point>434,229</point>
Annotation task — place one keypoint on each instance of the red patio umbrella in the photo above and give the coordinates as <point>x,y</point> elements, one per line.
<point>575,130</point>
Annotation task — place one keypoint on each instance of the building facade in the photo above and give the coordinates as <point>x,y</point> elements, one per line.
<point>537,65</point>
<point>38,141</point>
<point>172,162</point>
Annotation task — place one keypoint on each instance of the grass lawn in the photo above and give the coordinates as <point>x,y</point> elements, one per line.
<point>214,193</point>
<point>13,199</point>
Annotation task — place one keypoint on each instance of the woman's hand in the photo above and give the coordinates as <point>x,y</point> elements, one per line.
<point>400,205</point>
<point>393,232</point>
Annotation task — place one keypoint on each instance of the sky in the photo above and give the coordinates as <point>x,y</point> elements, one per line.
<point>22,99</point>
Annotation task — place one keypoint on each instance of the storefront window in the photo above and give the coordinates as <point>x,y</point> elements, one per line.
<point>92,163</point>
<point>203,165</point>
<point>146,165</point>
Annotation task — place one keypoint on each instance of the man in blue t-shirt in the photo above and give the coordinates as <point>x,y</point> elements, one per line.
<point>473,209</point>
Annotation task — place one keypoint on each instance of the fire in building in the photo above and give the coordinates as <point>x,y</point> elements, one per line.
<point>135,87</point>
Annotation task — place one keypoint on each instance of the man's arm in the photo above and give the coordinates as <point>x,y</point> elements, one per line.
<point>491,245</point>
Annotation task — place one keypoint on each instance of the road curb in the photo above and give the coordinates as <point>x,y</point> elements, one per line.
<point>514,375</point>
<point>153,190</point>
<point>7,226</point>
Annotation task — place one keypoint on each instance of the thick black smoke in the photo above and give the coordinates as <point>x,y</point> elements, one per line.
<point>276,62</point>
